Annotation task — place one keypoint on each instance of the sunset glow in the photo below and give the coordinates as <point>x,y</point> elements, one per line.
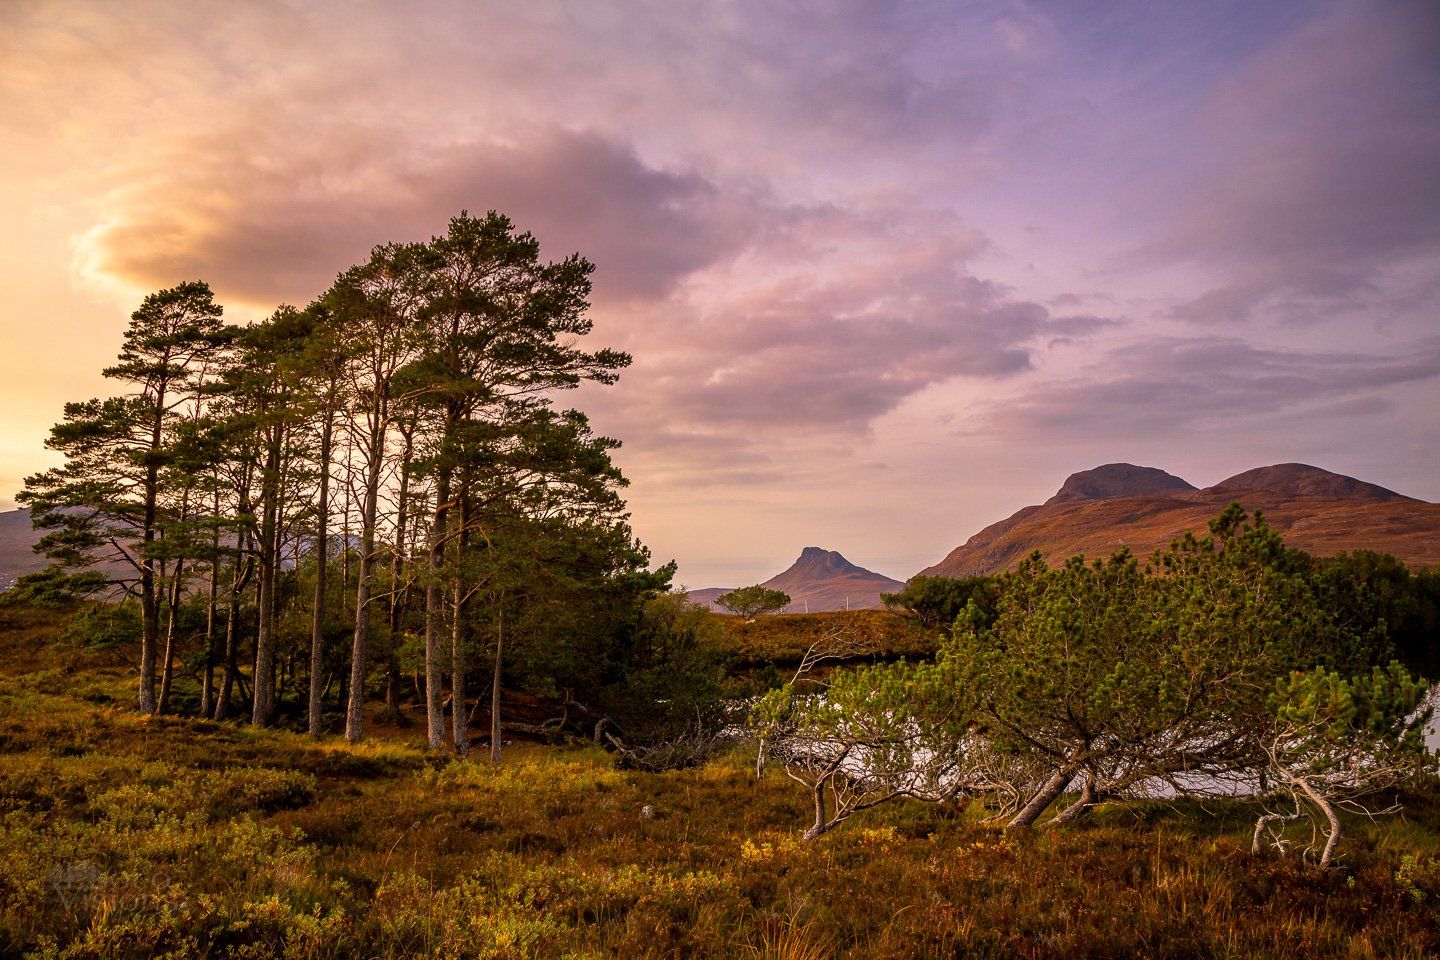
<point>888,271</point>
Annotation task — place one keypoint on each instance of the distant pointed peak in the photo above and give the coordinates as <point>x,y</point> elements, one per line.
<point>817,566</point>
<point>820,559</point>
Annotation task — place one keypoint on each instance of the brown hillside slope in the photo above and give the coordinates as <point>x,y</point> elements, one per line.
<point>16,540</point>
<point>1318,511</point>
<point>18,557</point>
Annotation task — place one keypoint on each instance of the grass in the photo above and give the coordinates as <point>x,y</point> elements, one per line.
<point>164,837</point>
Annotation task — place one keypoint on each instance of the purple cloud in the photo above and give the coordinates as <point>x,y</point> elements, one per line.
<point>1168,384</point>
<point>1318,161</point>
<point>240,221</point>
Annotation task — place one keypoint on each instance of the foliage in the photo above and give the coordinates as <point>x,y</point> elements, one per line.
<point>103,626</point>
<point>53,586</point>
<point>1336,739</point>
<point>671,680</point>
<point>405,425</point>
<point>1370,588</point>
<point>753,601</point>
<point>1130,680</point>
<point>870,735</point>
<point>939,601</point>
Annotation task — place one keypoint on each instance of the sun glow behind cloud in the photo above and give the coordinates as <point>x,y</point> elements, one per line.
<point>888,271</point>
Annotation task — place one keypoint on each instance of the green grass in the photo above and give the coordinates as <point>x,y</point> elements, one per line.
<point>132,837</point>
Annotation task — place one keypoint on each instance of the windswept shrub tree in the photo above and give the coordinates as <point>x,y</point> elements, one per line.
<point>1222,663</point>
<point>754,601</point>
<point>1338,739</point>
<point>939,601</point>
<point>869,735</point>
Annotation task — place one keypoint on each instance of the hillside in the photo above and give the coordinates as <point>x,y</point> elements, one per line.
<point>783,639</point>
<point>16,539</point>
<point>1098,511</point>
<point>17,554</point>
<point>819,581</point>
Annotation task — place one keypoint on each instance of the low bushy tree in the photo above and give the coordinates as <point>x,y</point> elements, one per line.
<point>869,735</point>
<point>938,601</point>
<point>1337,739</point>
<point>754,601</point>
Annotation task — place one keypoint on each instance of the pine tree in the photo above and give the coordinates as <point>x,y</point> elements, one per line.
<point>107,502</point>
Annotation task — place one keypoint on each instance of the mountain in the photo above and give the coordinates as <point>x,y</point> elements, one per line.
<point>1097,511</point>
<point>16,539</point>
<point>1300,479</point>
<point>1114,480</point>
<point>708,595</point>
<point>819,580</point>
<point>17,558</point>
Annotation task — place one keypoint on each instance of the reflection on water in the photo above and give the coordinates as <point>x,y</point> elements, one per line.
<point>1432,732</point>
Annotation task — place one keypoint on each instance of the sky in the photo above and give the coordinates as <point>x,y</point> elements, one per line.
<point>889,270</point>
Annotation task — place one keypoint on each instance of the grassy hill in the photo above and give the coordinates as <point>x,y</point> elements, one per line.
<point>126,837</point>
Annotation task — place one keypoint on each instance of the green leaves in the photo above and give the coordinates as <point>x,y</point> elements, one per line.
<point>754,601</point>
<point>1320,708</point>
<point>939,601</point>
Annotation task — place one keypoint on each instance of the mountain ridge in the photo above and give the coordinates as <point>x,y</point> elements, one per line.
<point>1096,512</point>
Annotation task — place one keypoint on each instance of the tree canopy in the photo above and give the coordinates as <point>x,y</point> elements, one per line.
<point>754,601</point>
<point>404,428</point>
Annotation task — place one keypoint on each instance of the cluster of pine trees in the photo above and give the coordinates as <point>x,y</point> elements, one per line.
<point>379,479</point>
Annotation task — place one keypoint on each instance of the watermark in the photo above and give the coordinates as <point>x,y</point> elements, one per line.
<point>80,889</point>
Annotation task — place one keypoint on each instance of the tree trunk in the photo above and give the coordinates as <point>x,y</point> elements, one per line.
<point>1261,822</point>
<point>821,824</point>
<point>374,462</point>
<point>262,712</point>
<point>149,606</point>
<point>263,670</point>
<point>1044,797</point>
<point>232,658</point>
<point>434,670</point>
<point>207,680</point>
<point>315,722</point>
<point>392,691</point>
<point>397,593</point>
<point>459,717</point>
<point>240,576</point>
<point>167,677</point>
<point>1086,802</point>
<point>497,729</point>
<point>1332,838</point>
